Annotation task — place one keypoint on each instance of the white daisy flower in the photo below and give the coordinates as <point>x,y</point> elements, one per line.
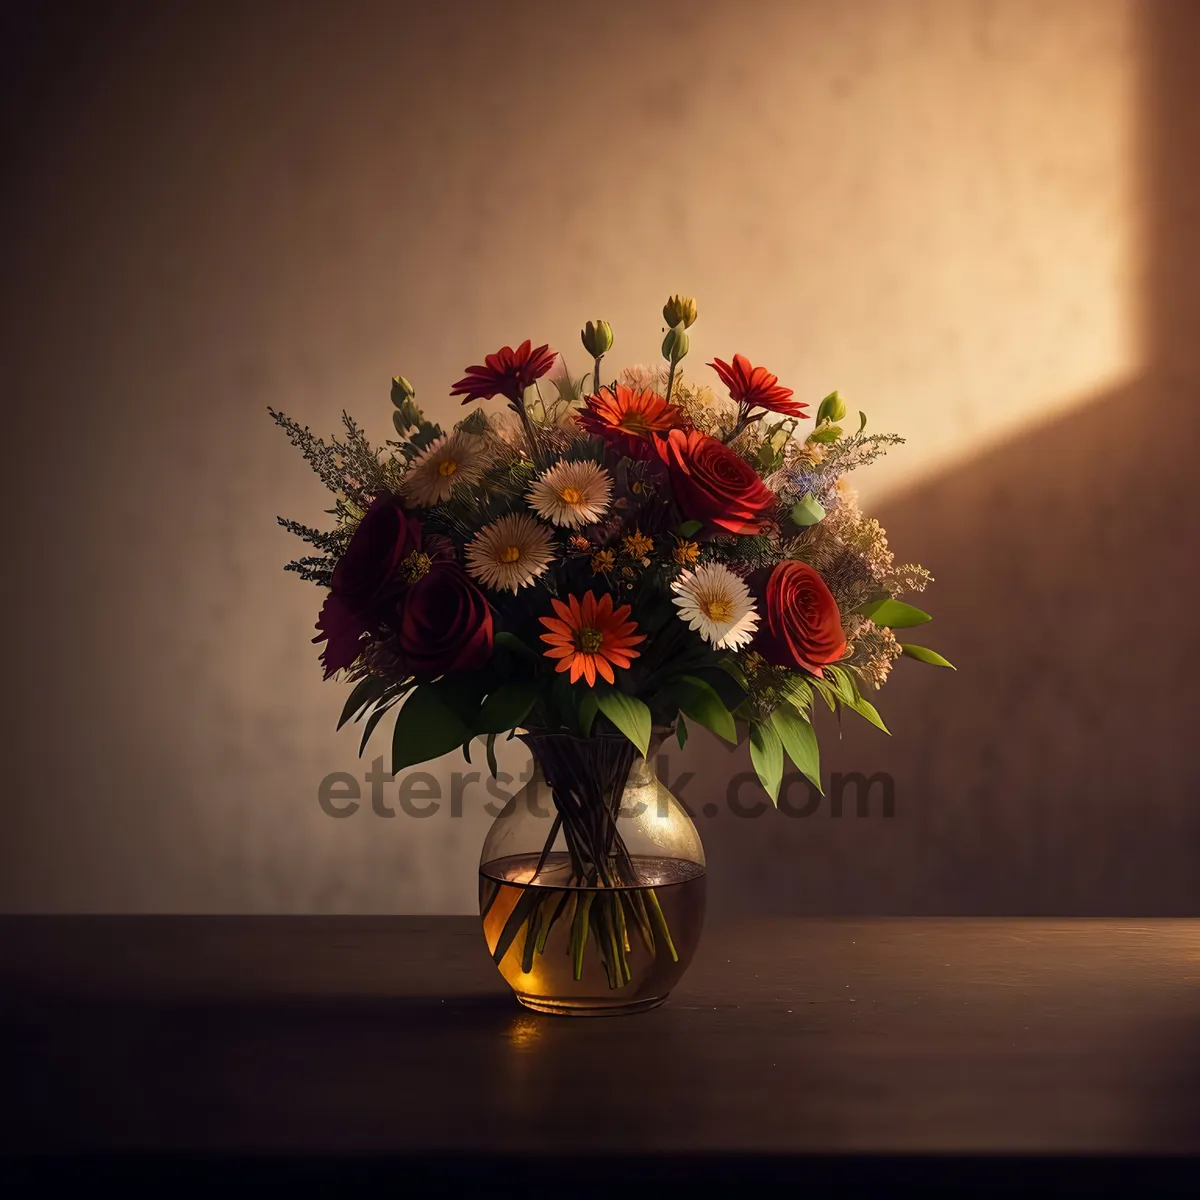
<point>571,493</point>
<point>509,553</point>
<point>714,601</point>
<point>455,457</point>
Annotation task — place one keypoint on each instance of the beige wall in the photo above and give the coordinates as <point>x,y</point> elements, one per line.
<point>953,210</point>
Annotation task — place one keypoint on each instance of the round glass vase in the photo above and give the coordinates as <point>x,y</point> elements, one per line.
<point>592,880</point>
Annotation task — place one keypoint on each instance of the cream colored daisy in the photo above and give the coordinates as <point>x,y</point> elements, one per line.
<point>455,457</point>
<point>509,553</point>
<point>571,493</point>
<point>716,603</point>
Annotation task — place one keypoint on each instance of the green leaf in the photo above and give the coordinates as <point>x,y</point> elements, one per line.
<point>681,732</point>
<point>862,421</point>
<point>921,654</point>
<point>382,707</point>
<point>491,755</point>
<point>827,693</point>
<point>807,511</point>
<point>894,614</point>
<point>426,727</point>
<point>800,741</point>
<point>825,433</point>
<point>845,686</point>
<point>766,754</point>
<point>699,700</point>
<point>726,679</point>
<point>799,694</point>
<point>842,684</point>
<point>764,461</point>
<point>865,708</point>
<point>507,707</point>
<point>365,693</point>
<point>588,708</point>
<point>689,527</point>
<point>369,728</point>
<point>628,714</point>
<point>475,422</point>
<point>510,641</point>
<point>562,701</point>
<point>463,695</point>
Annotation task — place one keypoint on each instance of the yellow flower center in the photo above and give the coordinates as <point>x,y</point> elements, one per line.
<point>510,554</point>
<point>634,422</point>
<point>718,609</point>
<point>589,640</point>
<point>415,566</point>
<point>572,496</point>
<point>638,545</point>
<point>447,467</point>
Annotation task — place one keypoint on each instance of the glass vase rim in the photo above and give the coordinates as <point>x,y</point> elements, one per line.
<point>688,868</point>
<point>535,734</point>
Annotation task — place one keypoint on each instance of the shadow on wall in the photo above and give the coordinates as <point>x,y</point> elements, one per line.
<point>1057,771</point>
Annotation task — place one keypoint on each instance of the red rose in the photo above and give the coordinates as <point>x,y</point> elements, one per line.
<point>444,623</point>
<point>713,484</point>
<point>803,627</point>
<point>365,580</point>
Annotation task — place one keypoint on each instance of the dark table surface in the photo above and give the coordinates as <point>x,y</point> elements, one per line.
<point>396,1035</point>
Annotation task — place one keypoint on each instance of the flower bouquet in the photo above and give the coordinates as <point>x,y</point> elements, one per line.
<point>598,563</point>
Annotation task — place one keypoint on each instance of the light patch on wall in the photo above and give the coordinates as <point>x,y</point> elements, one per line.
<point>936,214</point>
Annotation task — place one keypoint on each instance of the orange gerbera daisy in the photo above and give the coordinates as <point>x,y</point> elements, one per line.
<point>589,637</point>
<point>626,418</point>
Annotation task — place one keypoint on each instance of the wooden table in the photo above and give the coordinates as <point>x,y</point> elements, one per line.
<point>395,1036</point>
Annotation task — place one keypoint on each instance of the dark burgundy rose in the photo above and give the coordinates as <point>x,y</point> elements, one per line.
<point>366,579</point>
<point>444,623</point>
<point>711,483</point>
<point>801,625</point>
<point>341,628</point>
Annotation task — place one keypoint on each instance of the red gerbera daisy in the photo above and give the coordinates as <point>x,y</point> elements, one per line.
<point>626,419</point>
<point>756,387</point>
<point>506,373</point>
<point>589,638</point>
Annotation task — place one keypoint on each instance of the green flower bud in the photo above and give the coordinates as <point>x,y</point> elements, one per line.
<point>597,338</point>
<point>680,310</point>
<point>407,413</point>
<point>402,390</point>
<point>675,345</point>
<point>833,408</point>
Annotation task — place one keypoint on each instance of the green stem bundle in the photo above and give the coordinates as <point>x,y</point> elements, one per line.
<point>535,451</point>
<point>602,897</point>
